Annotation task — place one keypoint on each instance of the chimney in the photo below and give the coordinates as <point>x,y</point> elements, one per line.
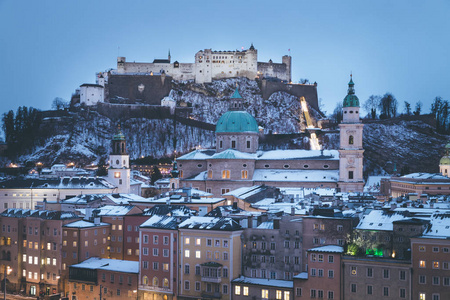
<point>97,221</point>
<point>292,210</point>
<point>276,223</point>
<point>250,222</point>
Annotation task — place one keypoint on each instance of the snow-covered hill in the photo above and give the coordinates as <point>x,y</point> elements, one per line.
<point>411,145</point>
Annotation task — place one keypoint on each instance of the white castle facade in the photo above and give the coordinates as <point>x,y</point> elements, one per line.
<point>211,65</point>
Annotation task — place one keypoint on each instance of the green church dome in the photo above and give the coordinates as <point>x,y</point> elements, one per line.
<point>445,160</point>
<point>447,146</point>
<point>351,100</point>
<point>237,121</point>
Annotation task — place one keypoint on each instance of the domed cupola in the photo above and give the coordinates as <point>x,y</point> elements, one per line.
<point>444,163</point>
<point>351,105</point>
<point>237,129</point>
<point>351,100</point>
<point>236,120</point>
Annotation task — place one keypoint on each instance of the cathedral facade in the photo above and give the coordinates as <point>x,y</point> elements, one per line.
<point>236,161</point>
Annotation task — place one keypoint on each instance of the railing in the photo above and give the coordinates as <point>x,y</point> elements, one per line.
<point>155,288</point>
<point>212,279</point>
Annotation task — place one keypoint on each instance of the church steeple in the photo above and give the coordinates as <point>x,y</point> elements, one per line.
<point>168,57</point>
<point>236,101</point>
<point>119,144</point>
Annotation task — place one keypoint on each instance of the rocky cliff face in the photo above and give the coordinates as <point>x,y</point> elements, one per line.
<point>408,144</point>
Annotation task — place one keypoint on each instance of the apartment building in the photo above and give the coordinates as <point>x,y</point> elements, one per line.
<point>210,257</point>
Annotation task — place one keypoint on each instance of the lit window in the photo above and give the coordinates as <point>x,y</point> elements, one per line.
<point>264,294</point>
<point>245,291</point>
<point>197,254</point>
<point>226,174</point>
<point>435,265</point>
<point>187,253</point>
<point>279,295</point>
<point>422,264</point>
<point>116,174</point>
<point>187,241</point>
<point>237,290</point>
<point>244,174</point>
<point>198,241</point>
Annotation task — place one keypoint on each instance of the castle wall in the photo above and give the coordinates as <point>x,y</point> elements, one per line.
<point>211,65</point>
<point>139,88</point>
<point>309,91</point>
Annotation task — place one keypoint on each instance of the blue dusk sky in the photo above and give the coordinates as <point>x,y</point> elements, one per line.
<point>50,48</point>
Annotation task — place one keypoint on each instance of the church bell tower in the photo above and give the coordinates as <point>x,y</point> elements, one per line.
<point>351,144</point>
<point>119,164</point>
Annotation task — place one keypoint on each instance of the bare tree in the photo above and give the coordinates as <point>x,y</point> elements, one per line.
<point>407,108</point>
<point>59,104</point>
<point>371,106</point>
<point>388,106</point>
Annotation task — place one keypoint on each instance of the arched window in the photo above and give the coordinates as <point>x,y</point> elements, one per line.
<point>145,280</point>
<point>123,147</point>
<point>350,140</point>
<point>166,282</point>
<point>155,281</point>
<point>8,256</point>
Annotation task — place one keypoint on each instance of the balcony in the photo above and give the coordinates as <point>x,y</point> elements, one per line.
<point>155,289</point>
<point>211,272</point>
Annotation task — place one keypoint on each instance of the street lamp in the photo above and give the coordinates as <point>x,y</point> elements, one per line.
<point>8,271</point>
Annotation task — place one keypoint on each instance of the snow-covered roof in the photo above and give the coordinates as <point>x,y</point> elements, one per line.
<point>41,214</point>
<point>233,154</point>
<point>264,282</point>
<point>439,225</point>
<point>328,248</point>
<point>302,275</point>
<point>84,224</point>
<point>162,222</point>
<point>381,220</point>
<point>224,211</point>
<point>266,225</point>
<point>296,175</point>
<point>193,191</point>
<point>210,223</point>
<point>425,176</point>
<point>57,183</point>
<point>298,154</point>
<point>197,154</point>
<point>169,210</point>
<point>115,265</point>
<point>245,192</point>
<point>185,200</point>
<point>124,198</point>
<point>113,210</point>
<point>373,184</point>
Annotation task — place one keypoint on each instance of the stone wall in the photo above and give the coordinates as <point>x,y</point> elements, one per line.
<point>145,89</point>
<point>309,91</point>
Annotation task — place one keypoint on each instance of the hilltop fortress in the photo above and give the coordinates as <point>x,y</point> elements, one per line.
<point>211,65</point>
<point>148,83</point>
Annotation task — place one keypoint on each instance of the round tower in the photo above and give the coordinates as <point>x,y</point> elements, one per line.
<point>444,163</point>
<point>351,144</point>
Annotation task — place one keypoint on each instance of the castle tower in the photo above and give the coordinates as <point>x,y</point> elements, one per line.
<point>351,144</point>
<point>237,129</point>
<point>119,164</point>
<point>444,163</point>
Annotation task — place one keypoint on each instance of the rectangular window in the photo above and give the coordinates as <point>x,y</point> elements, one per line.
<point>313,293</point>
<point>422,264</point>
<point>369,290</point>
<point>226,174</point>
<point>386,291</point>
<point>402,293</point>
<point>353,287</point>
<point>350,174</point>
<point>244,174</point>
<point>436,280</point>
<point>330,258</point>
<point>402,275</point>
<point>330,273</point>
<point>237,290</point>
<point>422,279</point>
<point>298,292</point>
<point>386,273</point>
<point>369,272</point>
<point>264,294</point>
